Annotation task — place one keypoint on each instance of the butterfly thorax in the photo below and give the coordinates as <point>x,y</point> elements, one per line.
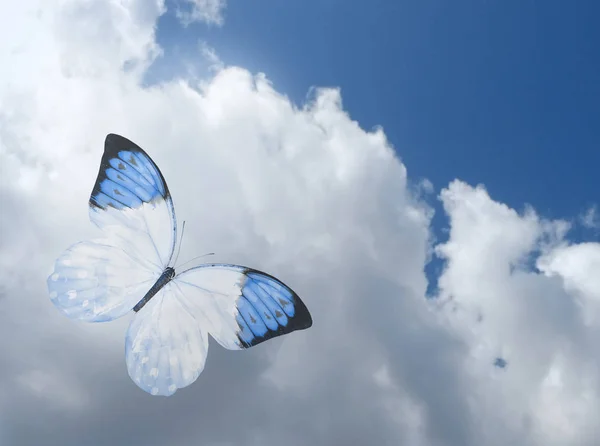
<point>164,278</point>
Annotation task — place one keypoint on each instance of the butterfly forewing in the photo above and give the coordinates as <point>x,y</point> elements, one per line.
<point>240,306</point>
<point>131,201</point>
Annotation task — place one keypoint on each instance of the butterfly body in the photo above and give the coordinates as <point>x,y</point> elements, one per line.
<point>131,268</point>
<point>164,278</point>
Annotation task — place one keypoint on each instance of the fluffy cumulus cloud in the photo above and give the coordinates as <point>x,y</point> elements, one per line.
<point>506,353</point>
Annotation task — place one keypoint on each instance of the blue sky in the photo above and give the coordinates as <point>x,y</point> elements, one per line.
<point>500,93</point>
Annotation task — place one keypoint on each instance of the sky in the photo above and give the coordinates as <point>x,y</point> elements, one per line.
<point>424,176</point>
<point>485,91</point>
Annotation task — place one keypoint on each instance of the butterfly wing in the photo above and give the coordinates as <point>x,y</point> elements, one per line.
<point>101,280</point>
<point>167,341</point>
<point>131,202</point>
<point>166,346</point>
<point>241,307</point>
<point>96,281</point>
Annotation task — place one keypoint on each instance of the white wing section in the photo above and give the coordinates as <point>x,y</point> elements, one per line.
<point>144,232</point>
<point>239,306</point>
<point>211,296</point>
<point>97,281</point>
<point>166,346</point>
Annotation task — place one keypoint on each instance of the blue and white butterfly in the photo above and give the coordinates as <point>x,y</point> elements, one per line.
<point>131,268</point>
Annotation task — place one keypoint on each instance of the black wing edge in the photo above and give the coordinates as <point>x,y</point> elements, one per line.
<point>301,321</point>
<point>113,144</point>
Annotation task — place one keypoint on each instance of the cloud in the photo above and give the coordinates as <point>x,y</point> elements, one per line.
<point>309,196</point>
<point>536,319</point>
<point>207,11</point>
<point>590,219</point>
<point>211,57</point>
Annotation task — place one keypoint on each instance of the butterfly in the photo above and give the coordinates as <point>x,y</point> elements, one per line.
<point>132,268</point>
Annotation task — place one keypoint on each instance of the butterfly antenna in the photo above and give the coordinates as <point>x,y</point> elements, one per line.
<point>195,258</point>
<point>180,242</point>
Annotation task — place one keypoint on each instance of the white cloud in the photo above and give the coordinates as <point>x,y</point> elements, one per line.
<point>207,11</point>
<point>590,219</point>
<point>209,53</point>
<point>577,266</point>
<point>537,322</point>
<point>309,196</point>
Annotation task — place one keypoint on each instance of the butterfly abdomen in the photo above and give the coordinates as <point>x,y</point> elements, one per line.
<point>164,278</point>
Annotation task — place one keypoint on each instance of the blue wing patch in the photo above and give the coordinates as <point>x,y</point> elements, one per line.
<point>127,178</point>
<point>267,308</point>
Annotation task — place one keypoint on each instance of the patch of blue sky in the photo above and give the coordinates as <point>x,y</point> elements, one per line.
<point>500,93</point>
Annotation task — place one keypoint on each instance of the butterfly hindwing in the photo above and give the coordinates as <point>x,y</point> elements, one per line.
<point>165,347</point>
<point>241,307</point>
<point>96,281</point>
